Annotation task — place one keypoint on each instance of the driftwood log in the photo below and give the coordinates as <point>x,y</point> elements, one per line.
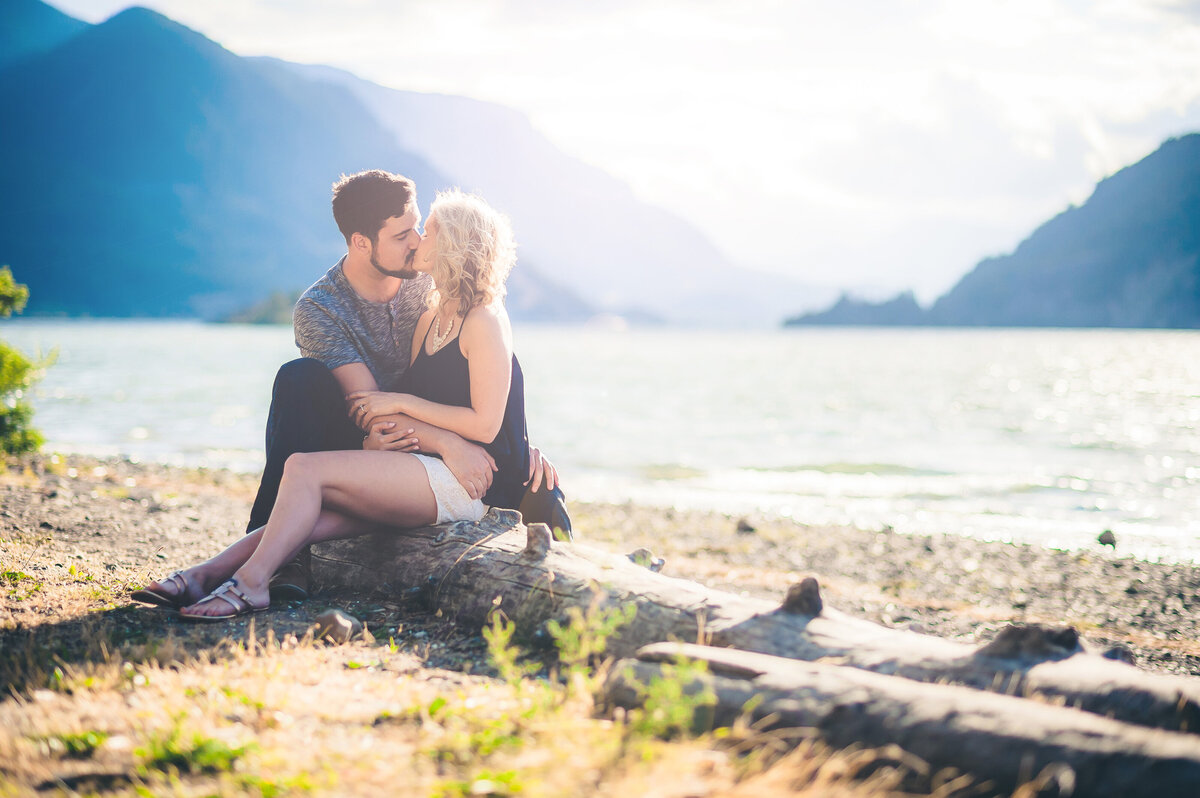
<point>1002,741</point>
<point>468,570</point>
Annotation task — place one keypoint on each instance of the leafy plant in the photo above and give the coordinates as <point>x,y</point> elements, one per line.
<point>13,295</point>
<point>172,750</point>
<point>584,638</point>
<point>505,656</point>
<point>17,374</point>
<point>485,783</point>
<point>273,788</point>
<point>76,745</point>
<point>22,585</point>
<point>672,706</point>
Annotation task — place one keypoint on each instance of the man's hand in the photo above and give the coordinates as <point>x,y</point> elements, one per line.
<point>384,437</point>
<point>471,465</point>
<point>539,467</point>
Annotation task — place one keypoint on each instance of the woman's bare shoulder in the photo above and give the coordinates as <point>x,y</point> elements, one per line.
<point>487,322</point>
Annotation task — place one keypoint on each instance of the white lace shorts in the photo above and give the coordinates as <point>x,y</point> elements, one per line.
<point>453,502</point>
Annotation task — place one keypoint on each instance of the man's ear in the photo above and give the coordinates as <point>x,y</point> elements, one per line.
<point>360,242</point>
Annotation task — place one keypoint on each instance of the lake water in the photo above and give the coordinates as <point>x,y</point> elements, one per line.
<point>1047,436</point>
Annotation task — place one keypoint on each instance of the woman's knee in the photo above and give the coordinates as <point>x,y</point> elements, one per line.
<point>300,465</point>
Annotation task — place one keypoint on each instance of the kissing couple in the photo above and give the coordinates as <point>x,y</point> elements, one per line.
<point>406,409</point>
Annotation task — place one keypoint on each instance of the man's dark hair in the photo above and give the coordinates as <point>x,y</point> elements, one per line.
<point>363,202</point>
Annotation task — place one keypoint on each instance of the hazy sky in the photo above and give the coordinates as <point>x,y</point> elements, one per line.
<point>876,145</point>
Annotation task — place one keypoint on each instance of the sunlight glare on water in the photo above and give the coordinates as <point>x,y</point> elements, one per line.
<point>1047,436</point>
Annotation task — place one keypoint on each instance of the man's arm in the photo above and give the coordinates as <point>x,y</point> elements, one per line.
<point>470,463</point>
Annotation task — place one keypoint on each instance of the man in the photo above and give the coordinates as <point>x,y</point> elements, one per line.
<point>354,329</point>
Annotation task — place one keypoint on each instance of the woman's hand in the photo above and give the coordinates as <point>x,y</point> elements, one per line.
<point>384,437</point>
<point>366,406</point>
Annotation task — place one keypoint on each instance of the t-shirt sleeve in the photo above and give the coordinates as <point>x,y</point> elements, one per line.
<point>321,336</point>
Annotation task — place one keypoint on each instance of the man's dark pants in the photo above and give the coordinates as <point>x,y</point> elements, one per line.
<point>308,414</point>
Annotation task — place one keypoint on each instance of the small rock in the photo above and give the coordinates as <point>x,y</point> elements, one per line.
<point>804,598</point>
<point>744,527</point>
<point>1032,641</point>
<point>645,558</point>
<point>537,540</point>
<point>1121,653</point>
<point>338,626</point>
<point>1107,538</point>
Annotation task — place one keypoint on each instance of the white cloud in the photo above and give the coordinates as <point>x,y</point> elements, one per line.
<point>896,141</point>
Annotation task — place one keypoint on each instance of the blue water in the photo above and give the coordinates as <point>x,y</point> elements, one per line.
<point>1047,436</point>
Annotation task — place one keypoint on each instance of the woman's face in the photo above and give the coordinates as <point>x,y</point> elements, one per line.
<point>427,249</point>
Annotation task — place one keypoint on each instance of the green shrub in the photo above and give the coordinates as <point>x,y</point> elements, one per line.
<point>17,375</point>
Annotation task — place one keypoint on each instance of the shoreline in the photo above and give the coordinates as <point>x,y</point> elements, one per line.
<point>137,519</point>
<point>1136,545</point>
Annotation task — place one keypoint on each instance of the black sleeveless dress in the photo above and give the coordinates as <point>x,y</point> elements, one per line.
<point>443,377</point>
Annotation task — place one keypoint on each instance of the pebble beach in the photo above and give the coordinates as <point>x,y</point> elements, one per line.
<point>138,520</point>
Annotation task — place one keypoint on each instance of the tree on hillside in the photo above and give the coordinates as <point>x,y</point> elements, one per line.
<point>17,375</point>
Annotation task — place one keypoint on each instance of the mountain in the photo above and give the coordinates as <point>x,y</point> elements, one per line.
<point>31,27</point>
<point>1128,257</point>
<point>530,298</point>
<point>170,177</point>
<point>586,227</point>
<point>901,311</point>
<point>156,173</point>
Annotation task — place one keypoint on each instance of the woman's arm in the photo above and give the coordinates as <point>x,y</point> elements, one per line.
<point>486,342</point>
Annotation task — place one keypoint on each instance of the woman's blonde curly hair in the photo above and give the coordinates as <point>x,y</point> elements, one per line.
<point>475,251</point>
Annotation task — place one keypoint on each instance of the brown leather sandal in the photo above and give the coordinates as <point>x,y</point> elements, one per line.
<point>233,595</point>
<point>158,597</point>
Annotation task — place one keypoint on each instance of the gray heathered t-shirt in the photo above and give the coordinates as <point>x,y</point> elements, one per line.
<point>336,326</point>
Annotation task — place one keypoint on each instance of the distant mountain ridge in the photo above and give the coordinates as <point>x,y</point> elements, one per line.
<point>156,173</point>
<point>1128,257</point>
<point>31,27</point>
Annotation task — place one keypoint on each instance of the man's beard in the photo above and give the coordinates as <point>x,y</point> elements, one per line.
<point>407,273</point>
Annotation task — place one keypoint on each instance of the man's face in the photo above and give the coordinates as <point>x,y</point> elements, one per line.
<point>395,245</point>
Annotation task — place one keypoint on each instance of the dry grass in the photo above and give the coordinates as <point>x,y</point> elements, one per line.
<point>259,715</point>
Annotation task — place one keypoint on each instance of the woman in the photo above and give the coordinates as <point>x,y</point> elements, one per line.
<point>463,377</point>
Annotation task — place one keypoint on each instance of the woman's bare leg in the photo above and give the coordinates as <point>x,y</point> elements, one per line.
<point>203,577</point>
<point>389,488</point>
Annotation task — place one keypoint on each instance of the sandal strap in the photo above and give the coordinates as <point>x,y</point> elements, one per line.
<point>231,594</point>
<point>178,582</point>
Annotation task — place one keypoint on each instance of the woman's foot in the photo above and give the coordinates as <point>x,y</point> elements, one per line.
<point>177,590</point>
<point>230,600</point>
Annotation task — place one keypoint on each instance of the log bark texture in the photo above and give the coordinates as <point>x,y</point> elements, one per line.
<point>467,570</point>
<point>1001,741</point>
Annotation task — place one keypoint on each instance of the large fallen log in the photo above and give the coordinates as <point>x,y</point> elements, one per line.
<point>1001,741</point>
<point>468,570</point>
